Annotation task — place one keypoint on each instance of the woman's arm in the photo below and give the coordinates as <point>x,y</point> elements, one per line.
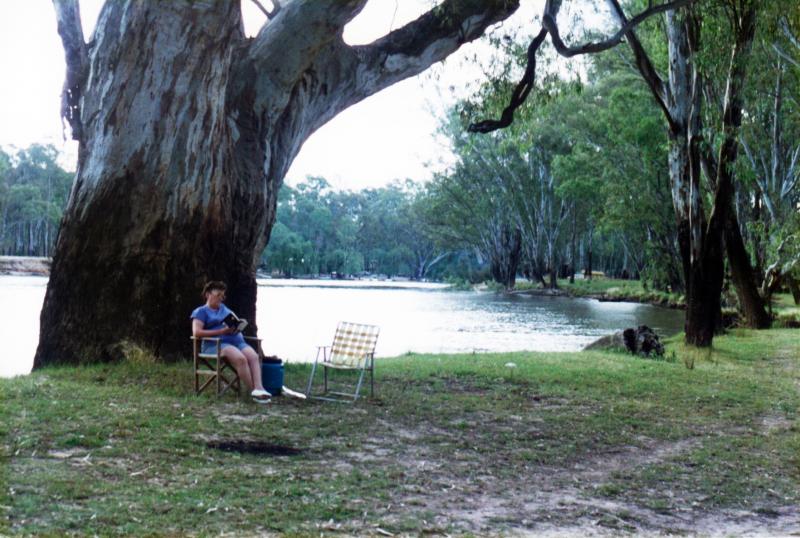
<point>198,331</point>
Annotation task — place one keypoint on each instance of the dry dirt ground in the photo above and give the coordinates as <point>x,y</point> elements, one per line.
<point>453,493</point>
<point>559,501</point>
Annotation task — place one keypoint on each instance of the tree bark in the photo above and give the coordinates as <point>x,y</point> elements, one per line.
<point>722,217</point>
<point>186,129</point>
<point>572,249</point>
<point>744,280</point>
<point>700,242</point>
<point>795,289</point>
<point>589,269</point>
<point>701,272</point>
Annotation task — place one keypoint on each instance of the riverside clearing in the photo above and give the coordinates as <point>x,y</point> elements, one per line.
<point>589,443</point>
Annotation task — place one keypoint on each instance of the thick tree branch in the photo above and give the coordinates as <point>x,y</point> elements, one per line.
<point>520,93</point>
<point>68,18</point>
<point>342,75</point>
<point>290,42</point>
<point>326,76</point>
<point>550,26</point>
<point>645,66</point>
<point>267,13</point>
<point>549,23</point>
<point>432,37</point>
<point>731,122</point>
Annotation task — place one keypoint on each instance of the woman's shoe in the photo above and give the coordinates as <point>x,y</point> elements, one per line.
<point>261,396</point>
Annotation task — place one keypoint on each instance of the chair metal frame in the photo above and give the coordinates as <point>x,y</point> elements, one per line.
<point>215,366</point>
<point>366,361</point>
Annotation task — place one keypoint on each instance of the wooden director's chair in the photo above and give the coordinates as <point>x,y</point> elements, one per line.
<point>216,368</point>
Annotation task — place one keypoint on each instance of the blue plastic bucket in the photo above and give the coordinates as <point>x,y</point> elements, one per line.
<point>272,377</point>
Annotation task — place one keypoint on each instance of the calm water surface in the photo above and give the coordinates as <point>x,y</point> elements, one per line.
<point>294,316</point>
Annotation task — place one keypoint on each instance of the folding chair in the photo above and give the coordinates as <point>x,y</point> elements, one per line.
<point>216,367</point>
<point>353,348</point>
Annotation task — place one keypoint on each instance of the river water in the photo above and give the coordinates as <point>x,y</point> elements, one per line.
<point>294,316</point>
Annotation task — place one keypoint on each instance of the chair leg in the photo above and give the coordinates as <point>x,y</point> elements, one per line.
<point>204,385</point>
<point>219,377</point>
<point>311,379</point>
<point>358,386</point>
<point>372,376</point>
<point>196,365</point>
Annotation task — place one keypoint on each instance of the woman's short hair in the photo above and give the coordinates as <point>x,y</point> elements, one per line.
<point>213,285</point>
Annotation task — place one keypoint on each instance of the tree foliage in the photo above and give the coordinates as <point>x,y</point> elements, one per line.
<point>323,231</point>
<point>33,193</point>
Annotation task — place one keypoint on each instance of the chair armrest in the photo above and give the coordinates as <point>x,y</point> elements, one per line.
<point>255,344</point>
<point>203,338</point>
<point>197,345</point>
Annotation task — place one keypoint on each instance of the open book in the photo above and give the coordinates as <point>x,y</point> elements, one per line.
<point>232,320</point>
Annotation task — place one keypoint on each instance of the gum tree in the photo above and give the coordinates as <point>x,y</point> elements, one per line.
<point>186,128</point>
<point>702,235</point>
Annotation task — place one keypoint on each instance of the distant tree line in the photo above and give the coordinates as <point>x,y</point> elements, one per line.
<point>319,230</point>
<point>33,193</point>
<point>578,184</point>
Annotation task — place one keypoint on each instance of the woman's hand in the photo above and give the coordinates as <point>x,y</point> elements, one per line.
<point>228,330</point>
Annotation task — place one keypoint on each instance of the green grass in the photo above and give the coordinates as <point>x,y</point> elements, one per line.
<point>787,314</point>
<point>628,290</point>
<point>122,449</point>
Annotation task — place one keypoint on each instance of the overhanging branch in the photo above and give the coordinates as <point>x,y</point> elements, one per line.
<point>521,91</point>
<point>550,26</point>
<point>294,37</point>
<point>549,23</point>
<point>432,37</point>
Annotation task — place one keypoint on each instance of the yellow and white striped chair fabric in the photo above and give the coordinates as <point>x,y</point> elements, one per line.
<point>353,348</point>
<point>353,345</point>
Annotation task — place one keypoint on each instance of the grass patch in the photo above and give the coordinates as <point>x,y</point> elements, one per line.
<point>621,290</point>
<point>451,444</point>
<point>786,313</point>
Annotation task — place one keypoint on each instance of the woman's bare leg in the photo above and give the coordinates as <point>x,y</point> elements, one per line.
<point>255,367</point>
<point>240,364</point>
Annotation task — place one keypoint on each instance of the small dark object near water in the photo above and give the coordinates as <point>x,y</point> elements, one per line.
<point>645,342</point>
<point>254,447</point>
<point>642,341</point>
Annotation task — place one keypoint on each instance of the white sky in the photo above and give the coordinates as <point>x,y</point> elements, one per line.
<point>385,137</point>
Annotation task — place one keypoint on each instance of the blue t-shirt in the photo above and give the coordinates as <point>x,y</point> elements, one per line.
<point>212,320</point>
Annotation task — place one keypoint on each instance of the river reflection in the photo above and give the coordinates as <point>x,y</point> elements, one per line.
<point>294,316</point>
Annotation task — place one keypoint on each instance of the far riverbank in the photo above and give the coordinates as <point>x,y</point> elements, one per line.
<point>601,289</point>
<point>24,266</point>
<point>607,290</point>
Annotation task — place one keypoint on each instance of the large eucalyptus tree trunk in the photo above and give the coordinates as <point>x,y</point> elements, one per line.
<point>186,129</point>
<point>705,265</point>
<point>700,238</point>
<point>702,273</point>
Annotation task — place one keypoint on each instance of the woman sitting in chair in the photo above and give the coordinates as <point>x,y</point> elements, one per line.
<point>207,322</point>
